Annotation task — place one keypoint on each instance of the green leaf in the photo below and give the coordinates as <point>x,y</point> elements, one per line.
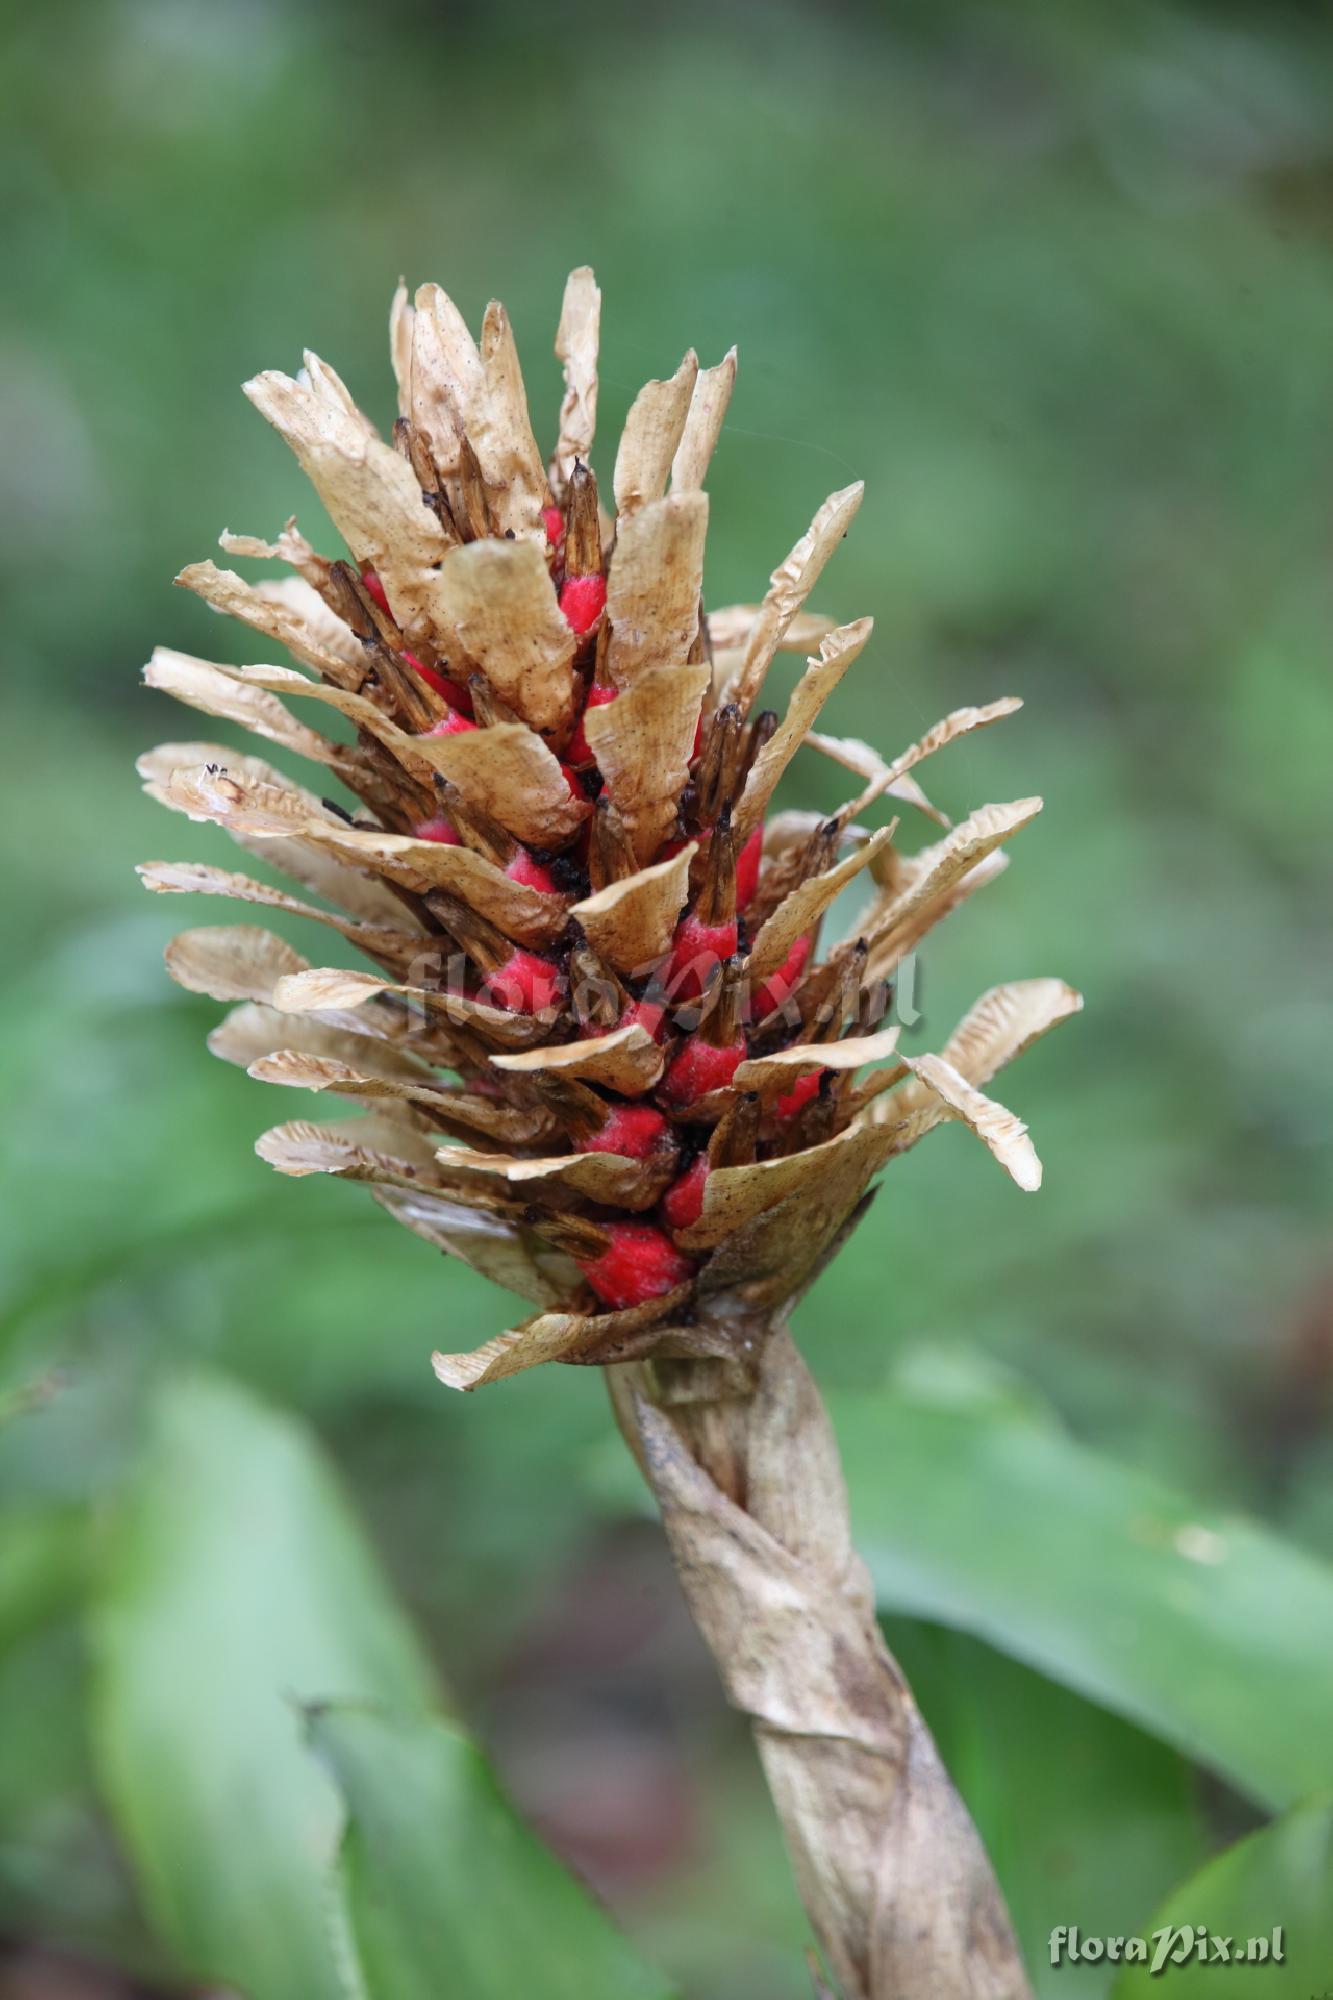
<point>447,1891</point>
<point>239,1588</point>
<point>60,1874</point>
<point>1281,1876</point>
<point>1085,1818</point>
<point>1209,1631</point>
<point>43,1566</point>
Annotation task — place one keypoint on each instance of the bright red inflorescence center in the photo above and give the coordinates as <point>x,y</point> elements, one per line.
<point>525,984</point>
<point>641,1263</point>
<point>452,724</point>
<point>438,828</point>
<point>453,691</point>
<point>698,1067</point>
<point>532,874</point>
<point>802,1091</point>
<point>583,600</point>
<point>633,1130</point>
<point>747,868</point>
<point>579,751</point>
<point>778,988</point>
<point>683,1202</point>
<point>696,952</point>
<point>650,1015</point>
<point>371,580</point>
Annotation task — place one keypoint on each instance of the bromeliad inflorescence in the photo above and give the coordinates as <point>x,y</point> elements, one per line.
<point>610,1066</point>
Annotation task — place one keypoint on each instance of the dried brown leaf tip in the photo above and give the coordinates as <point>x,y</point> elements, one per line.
<point>610,1063</point>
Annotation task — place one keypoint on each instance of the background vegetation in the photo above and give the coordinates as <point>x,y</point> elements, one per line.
<point>1057,280</point>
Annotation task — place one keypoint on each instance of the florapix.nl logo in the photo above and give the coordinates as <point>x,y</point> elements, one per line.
<point>1171,1945</point>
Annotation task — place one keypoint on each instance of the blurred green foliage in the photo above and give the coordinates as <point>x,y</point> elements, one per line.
<point>1057,280</point>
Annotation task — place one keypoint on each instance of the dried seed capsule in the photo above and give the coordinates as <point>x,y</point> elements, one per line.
<point>583,533</point>
<point>716,775</point>
<point>716,902</point>
<point>596,994</point>
<point>735,1141</point>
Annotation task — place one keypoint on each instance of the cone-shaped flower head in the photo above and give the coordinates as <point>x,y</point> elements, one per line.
<point>611,1062</point>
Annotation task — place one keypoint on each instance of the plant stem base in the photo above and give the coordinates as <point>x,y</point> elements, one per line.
<point>890,1868</point>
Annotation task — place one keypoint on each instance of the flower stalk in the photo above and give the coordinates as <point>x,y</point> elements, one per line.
<point>893,1876</point>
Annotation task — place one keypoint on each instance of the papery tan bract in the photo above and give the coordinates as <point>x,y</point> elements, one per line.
<point>653,432</point>
<point>497,600</point>
<point>540,929</point>
<point>576,342</point>
<point>631,922</point>
<point>626,1061</point>
<point>653,589</point>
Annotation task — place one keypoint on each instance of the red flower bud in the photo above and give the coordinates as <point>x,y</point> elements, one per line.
<point>531,874</point>
<point>438,828</point>
<point>635,1130</point>
<point>371,580</point>
<point>452,724</point>
<point>583,599</point>
<point>747,867</point>
<point>525,984</point>
<point>458,697</point>
<point>698,1067</point>
<point>578,790</point>
<point>454,692</point>
<point>649,1014</point>
<point>800,1094</point>
<point>777,989</point>
<point>641,1263</point>
<point>578,751</point>
<point>696,951</point>
<point>683,1202</point>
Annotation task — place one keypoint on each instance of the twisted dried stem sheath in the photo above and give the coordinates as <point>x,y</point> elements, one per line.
<point>891,1870</point>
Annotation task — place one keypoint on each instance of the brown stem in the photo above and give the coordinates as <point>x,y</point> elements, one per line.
<point>890,1868</point>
